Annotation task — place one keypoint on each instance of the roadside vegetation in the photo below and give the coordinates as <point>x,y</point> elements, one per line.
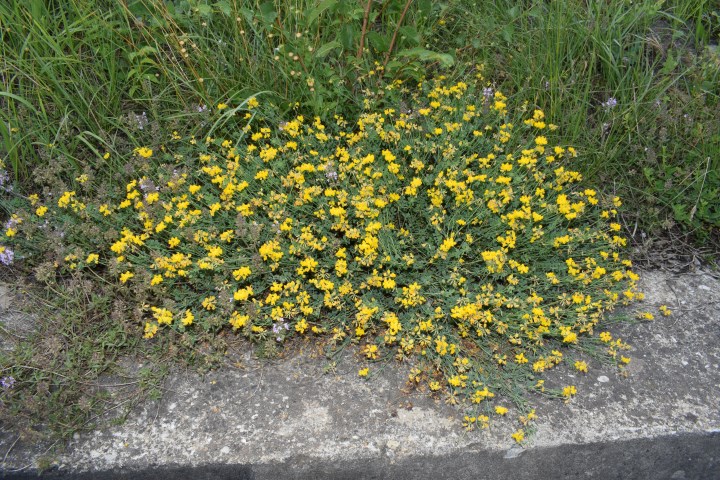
<point>462,185</point>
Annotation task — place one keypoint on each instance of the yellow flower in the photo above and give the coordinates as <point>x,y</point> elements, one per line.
<point>301,326</point>
<point>150,330</point>
<point>40,211</point>
<point>222,106</point>
<point>518,436</point>
<point>569,391</point>
<point>92,258</point>
<point>371,351</point>
<point>143,152</point>
<point>243,294</point>
<point>581,366</point>
<point>448,243</point>
<point>363,372</point>
<point>162,315</point>
<point>571,337</point>
<point>126,276</point>
<point>64,200</point>
<point>253,103</point>
<point>501,410</point>
<point>239,321</point>
<point>209,303</point>
<point>241,273</point>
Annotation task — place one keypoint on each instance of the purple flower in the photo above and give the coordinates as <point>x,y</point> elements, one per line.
<point>141,120</point>
<point>5,181</point>
<point>610,103</point>
<point>7,382</point>
<point>6,257</point>
<point>277,329</point>
<point>487,92</point>
<point>11,223</point>
<point>147,185</point>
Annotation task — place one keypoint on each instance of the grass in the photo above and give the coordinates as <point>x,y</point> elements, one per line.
<point>68,367</point>
<point>654,59</point>
<point>82,79</point>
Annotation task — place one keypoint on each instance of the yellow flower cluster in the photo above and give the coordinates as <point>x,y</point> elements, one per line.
<point>447,233</point>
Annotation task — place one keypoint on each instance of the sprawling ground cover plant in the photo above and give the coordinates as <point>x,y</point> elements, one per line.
<point>451,232</point>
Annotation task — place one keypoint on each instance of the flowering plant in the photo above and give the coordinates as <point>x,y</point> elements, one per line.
<point>454,233</point>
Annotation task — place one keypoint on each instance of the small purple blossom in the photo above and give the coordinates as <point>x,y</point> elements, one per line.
<point>201,108</point>
<point>147,185</point>
<point>610,103</point>
<point>11,223</point>
<point>5,183</point>
<point>7,382</point>
<point>141,120</point>
<point>6,257</point>
<point>277,329</point>
<point>487,92</point>
<point>331,175</point>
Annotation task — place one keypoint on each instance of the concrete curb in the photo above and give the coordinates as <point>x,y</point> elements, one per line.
<point>667,457</point>
<point>290,419</point>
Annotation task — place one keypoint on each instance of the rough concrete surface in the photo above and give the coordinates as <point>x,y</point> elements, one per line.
<point>292,419</point>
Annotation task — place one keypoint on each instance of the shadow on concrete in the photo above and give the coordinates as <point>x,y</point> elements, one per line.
<point>677,457</point>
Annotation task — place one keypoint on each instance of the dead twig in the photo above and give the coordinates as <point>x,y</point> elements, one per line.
<point>364,29</point>
<point>394,37</point>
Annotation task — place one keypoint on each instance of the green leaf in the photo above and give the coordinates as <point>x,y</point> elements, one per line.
<point>327,48</point>
<point>446,60</point>
<point>670,64</point>
<point>317,11</point>
<point>425,7</point>
<point>649,173</point>
<point>19,99</point>
<point>267,10</point>
<point>247,14</point>
<point>142,52</point>
<point>508,32</point>
<point>224,7</point>
<point>379,42</point>
<point>410,33</point>
<point>680,212</point>
<point>204,10</point>
<point>346,36</point>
